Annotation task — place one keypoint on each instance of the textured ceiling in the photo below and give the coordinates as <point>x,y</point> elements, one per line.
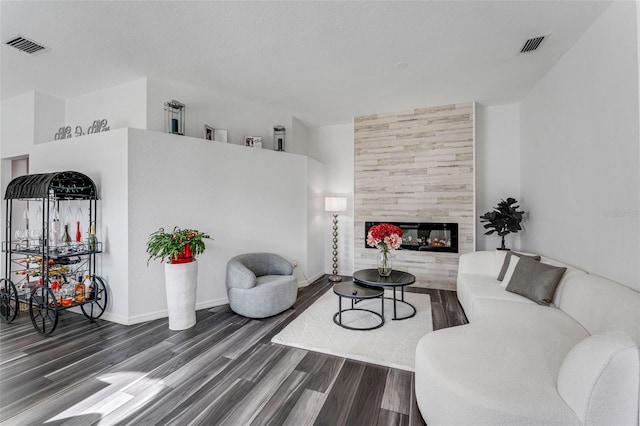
<point>323,62</point>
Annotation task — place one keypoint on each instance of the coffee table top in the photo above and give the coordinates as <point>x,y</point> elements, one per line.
<point>353,291</point>
<point>371,277</point>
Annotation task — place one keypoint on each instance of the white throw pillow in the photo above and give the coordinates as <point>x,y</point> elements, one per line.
<point>513,261</point>
<point>599,380</point>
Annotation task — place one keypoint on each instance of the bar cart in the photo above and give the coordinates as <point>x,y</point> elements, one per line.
<point>42,263</point>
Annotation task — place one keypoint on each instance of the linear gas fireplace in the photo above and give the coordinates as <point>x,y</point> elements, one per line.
<point>424,236</point>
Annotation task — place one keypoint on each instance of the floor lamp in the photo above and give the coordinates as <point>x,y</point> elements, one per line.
<point>335,205</point>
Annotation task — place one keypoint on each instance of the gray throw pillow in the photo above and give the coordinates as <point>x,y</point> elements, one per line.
<point>507,259</point>
<point>535,280</point>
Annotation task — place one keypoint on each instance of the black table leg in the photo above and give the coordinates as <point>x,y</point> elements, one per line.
<point>395,314</point>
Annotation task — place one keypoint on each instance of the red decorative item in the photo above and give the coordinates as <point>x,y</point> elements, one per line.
<point>184,257</point>
<point>78,233</point>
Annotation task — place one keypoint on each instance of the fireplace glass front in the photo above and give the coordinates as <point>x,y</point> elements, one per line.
<point>424,236</point>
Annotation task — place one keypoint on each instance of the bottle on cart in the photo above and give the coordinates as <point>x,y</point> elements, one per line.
<point>68,292</point>
<point>79,292</point>
<point>55,288</point>
<point>93,241</point>
<point>66,238</point>
<point>88,287</point>
<point>78,233</point>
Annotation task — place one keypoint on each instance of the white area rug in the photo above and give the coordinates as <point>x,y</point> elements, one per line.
<point>392,345</point>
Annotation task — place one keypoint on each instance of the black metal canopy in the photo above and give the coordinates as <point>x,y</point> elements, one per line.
<point>67,185</point>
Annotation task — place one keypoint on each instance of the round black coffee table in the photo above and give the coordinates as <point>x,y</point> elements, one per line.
<point>370,277</point>
<point>357,293</point>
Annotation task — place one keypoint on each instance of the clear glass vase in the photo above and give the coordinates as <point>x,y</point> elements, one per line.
<point>384,263</point>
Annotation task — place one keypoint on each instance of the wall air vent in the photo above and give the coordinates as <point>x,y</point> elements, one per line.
<point>25,45</point>
<point>531,44</point>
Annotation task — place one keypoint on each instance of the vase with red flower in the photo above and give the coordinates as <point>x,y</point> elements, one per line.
<point>385,237</point>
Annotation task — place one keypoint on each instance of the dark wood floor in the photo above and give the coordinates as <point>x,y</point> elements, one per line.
<point>222,371</point>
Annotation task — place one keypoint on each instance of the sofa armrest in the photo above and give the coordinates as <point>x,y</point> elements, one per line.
<point>239,276</point>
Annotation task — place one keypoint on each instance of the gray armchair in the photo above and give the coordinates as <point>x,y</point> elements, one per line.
<point>260,285</point>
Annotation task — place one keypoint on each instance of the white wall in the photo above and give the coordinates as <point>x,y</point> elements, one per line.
<point>248,200</point>
<point>298,138</point>
<point>580,152</point>
<point>638,43</point>
<point>102,157</point>
<point>17,133</point>
<point>315,223</point>
<point>48,117</point>
<point>124,105</point>
<point>497,167</point>
<point>333,147</point>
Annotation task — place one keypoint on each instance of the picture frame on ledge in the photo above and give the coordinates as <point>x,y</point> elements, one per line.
<point>220,135</point>
<point>209,133</point>
<point>253,141</point>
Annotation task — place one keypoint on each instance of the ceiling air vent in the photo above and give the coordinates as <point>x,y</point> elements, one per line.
<point>25,45</point>
<point>531,44</point>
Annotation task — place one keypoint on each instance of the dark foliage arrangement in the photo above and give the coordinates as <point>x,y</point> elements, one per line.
<point>503,219</point>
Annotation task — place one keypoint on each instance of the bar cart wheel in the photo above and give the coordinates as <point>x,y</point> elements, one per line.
<point>8,301</point>
<point>43,309</point>
<point>94,308</point>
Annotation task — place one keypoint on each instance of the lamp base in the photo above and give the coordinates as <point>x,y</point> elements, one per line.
<point>335,278</point>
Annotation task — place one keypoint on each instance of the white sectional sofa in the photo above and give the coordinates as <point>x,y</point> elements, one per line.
<point>575,362</point>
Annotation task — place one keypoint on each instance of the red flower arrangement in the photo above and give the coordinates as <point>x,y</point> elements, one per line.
<point>385,237</point>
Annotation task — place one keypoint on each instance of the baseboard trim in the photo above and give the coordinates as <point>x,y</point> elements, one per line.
<point>150,316</point>
<point>310,280</point>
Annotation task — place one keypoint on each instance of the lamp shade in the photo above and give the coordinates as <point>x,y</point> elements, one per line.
<point>335,204</point>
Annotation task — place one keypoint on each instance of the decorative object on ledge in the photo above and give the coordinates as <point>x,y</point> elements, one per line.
<point>385,237</point>
<point>503,219</point>
<point>174,117</point>
<point>220,135</point>
<point>253,141</point>
<point>97,127</point>
<point>335,205</point>
<point>279,133</point>
<point>180,248</point>
<point>63,133</point>
<point>209,132</point>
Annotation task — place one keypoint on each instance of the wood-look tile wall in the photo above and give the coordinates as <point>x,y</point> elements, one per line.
<point>416,166</point>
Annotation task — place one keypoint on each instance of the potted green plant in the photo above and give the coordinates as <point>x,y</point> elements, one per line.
<point>503,219</point>
<point>178,250</point>
<point>178,246</point>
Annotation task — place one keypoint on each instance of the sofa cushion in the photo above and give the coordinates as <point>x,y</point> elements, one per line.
<point>510,262</point>
<point>486,262</point>
<point>473,287</point>
<point>497,371</point>
<point>535,280</point>
<point>599,380</point>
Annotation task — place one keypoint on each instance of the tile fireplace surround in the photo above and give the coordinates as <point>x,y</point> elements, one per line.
<point>416,166</point>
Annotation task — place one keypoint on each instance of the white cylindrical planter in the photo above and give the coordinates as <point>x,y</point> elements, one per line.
<point>181,282</point>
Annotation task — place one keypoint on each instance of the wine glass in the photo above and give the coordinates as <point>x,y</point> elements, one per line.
<point>21,236</point>
<point>34,235</point>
